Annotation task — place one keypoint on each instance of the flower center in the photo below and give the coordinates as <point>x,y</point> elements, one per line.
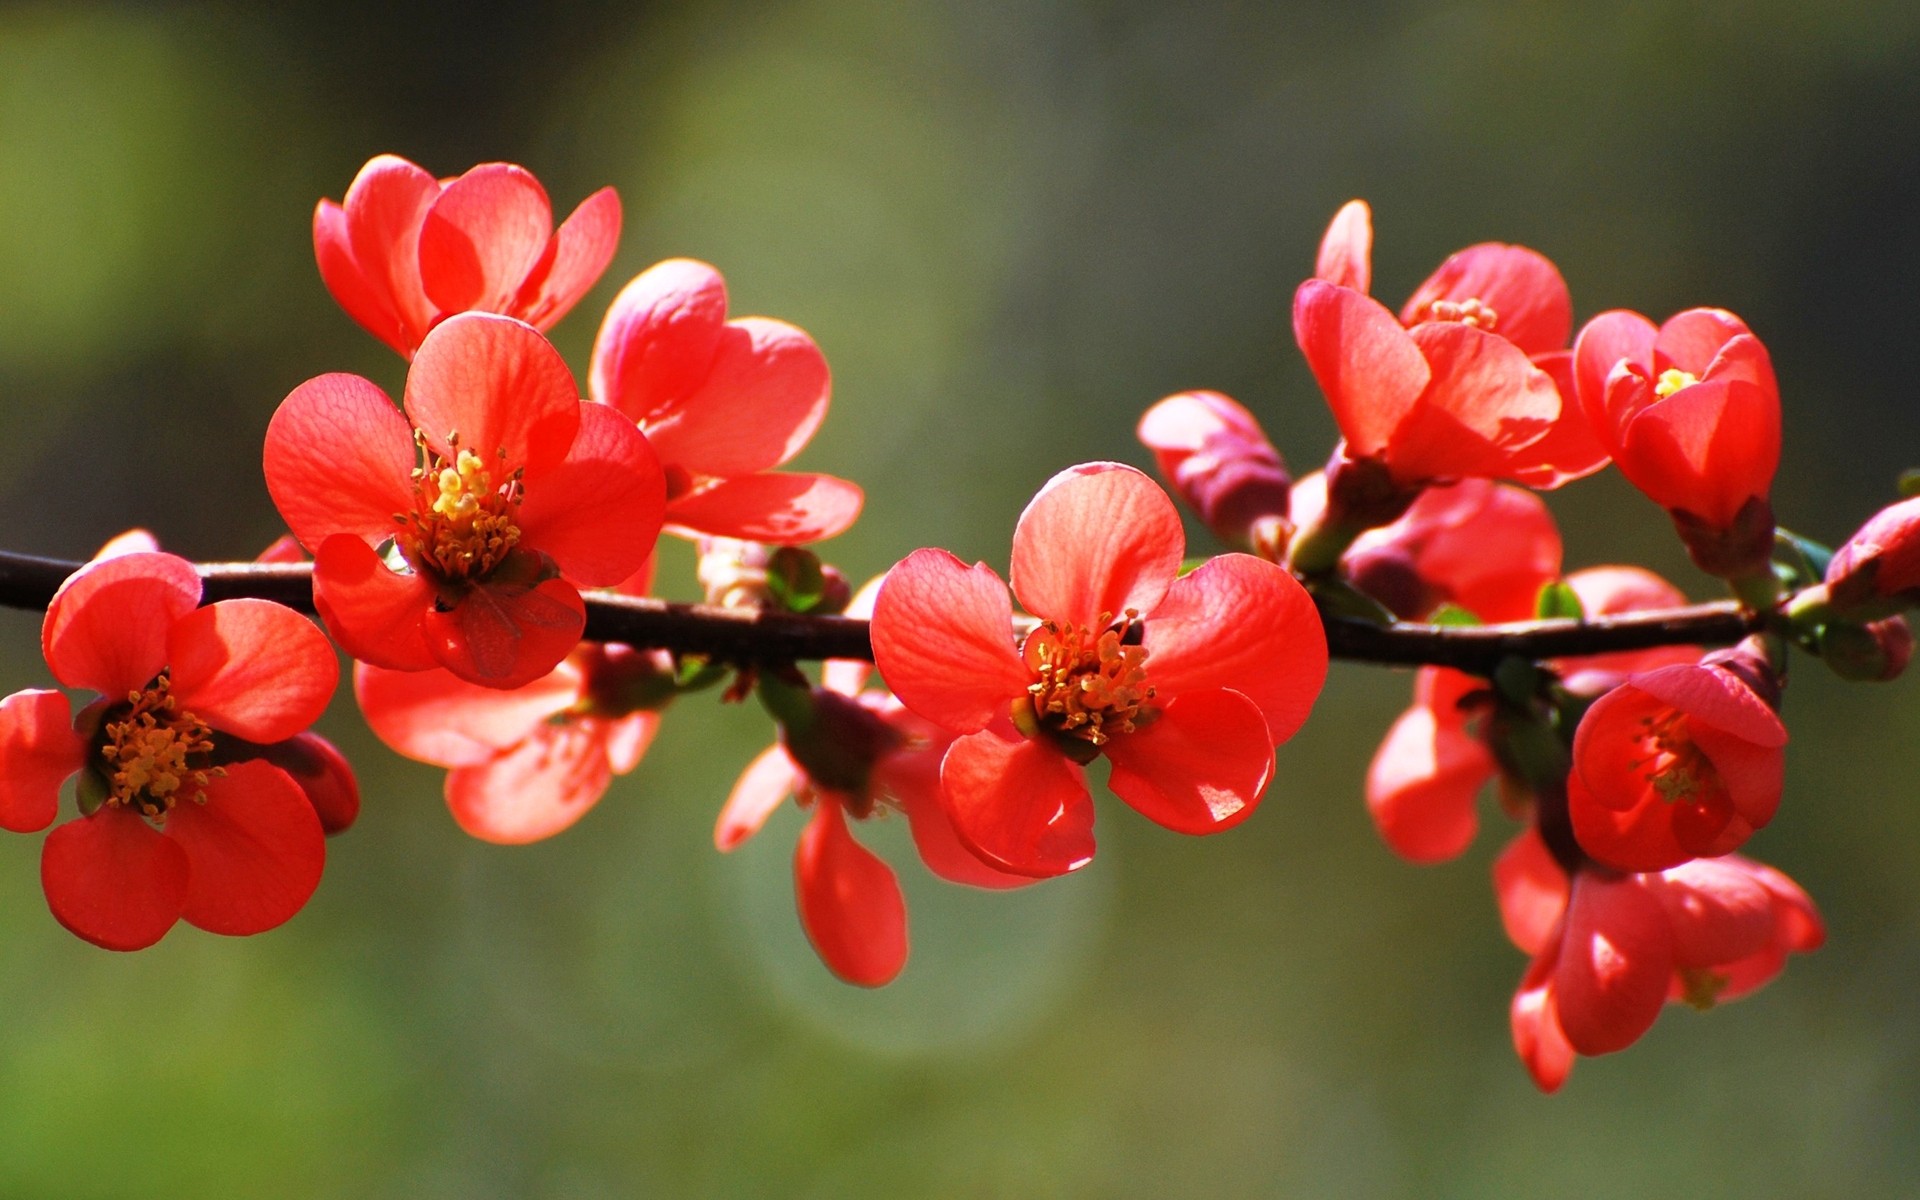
<point>1471,311</point>
<point>147,752</point>
<point>1672,380</point>
<point>1088,685</point>
<point>1701,986</point>
<point>1675,766</point>
<point>462,523</point>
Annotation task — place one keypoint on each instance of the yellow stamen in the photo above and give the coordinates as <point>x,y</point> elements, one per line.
<point>462,524</point>
<point>1672,380</point>
<point>147,751</point>
<point>1471,311</point>
<point>1088,685</point>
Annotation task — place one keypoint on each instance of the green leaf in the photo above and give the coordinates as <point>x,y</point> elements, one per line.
<point>1558,601</point>
<point>1909,484</point>
<point>1453,614</point>
<point>1340,599</point>
<point>1805,560</point>
<point>795,579</point>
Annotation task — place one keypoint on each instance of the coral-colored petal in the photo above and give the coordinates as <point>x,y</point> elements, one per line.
<point>1691,340</point>
<point>597,512</point>
<point>764,786</point>
<point>850,902</point>
<point>771,506</point>
<point>252,668</point>
<point>1485,403</point>
<point>498,384</point>
<point>323,775</point>
<point>533,791</point>
<point>1201,767</point>
<point>1716,697</point>
<point>934,837</point>
<point>106,628</point>
<point>1707,449</point>
<point>133,541</point>
<point>1611,338</point>
<point>255,849</point>
<point>1571,449</point>
<point>369,306</point>
<point>1532,891</point>
<point>1717,911</point>
<point>385,207</point>
<point>1537,1037</point>
<point>627,739</point>
<point>338,459</point>
<point>437,717</point>
<point>1346,249</point>
<point>481,237</point>
<point>765,392</point>
<point>1423,785</point>
<point>1018,804</point>
<point>1370,370</point>
<point>656,345</point>
<point>283,549</point>
<point>1616,955</point>
<point>506,636</point>
<point>113,879</point>
<point>1754,775</point>
<point>1637,838</point>
<point>1096,540</point>
<point>1523,287</point>
<point>1243,623</point>
<point>581,249</point>
<point>373,612</point>
<point>38,750</point>
<point>943,638</point>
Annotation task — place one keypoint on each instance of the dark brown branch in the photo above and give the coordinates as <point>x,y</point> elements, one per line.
<point>735,635</point>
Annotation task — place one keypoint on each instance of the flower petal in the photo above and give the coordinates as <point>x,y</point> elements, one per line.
<point>1616,957</point>
<point>1243,623</point>
<point>252,668</point>
<point>372,611</point>
<point>533,791</point>
<point>1717,698</point>
<point>1369,369</point>
<point>765,392</point>
<point>499,385</point>
<point>1537,1037</point>
<point>481,236</point>
<point>106,628</point>
<point>370,307</point>
<point>323,775</point>
<point>338,459</point>
<point>1707,449</point>
<point>1717,911</point>
<point>1018,804</point>
<point>1423,787</point>
<point>850,902</point>
<point>113,879</point>
<point>38,750</point>
<point>1532,890</point>
<point>943,638</point>
<point>770,506</point>
<point>385,206</point>
<point>1485,403</point>
<point>1201,767</point>
<point>1346,249</point>
<point>1611,338</point>
<point>934,837</point>
<point>1691,340</point>
<point>576,258</point>
<point>1523,287</point>
<point>1096,540</point>
<point>437,717</point>
<point>764,786</point>
<point>255,849</point>
<point>656,345</point>
<point>597,512</point>
<point>506,635</point>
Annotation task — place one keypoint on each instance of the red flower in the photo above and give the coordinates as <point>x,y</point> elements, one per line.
<point>1185,684</point>
<point>1878,569</point>
<point>1482,546</point>
<point>1610,950</point>
<point>1463,382</point>
<point>499,492</point>
<point>1691,412</point>
<point>723,402</point>
<point>1216,458</point>
<point>524,763</point>
<point>179,820</point>
<point>407,250</point>
<point>861,755</point>
<point>1676,763</point>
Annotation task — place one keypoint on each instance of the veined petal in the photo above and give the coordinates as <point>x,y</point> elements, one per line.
<point>385,207</point>
<point>1604,343</point>
<point>106,628</point>
<point>499,385</point>
<point>370,307</point>
<point>850,902</point>
<point>373,612</point>
<point>1485,402</point>
<point>38,750</point>
<point>1571,448</point>
<point>1616,956</point>
<point>777,507</point>
<point>1200,767</point>
<point>1691,340</point>
<point>113,879</point>
<point>1717,698</point>
<point>1346,249</point>
<point>577,257</point>
<point>255,850</point>
<point>481,236</point>
<point>1018,803</point>
<point>597,512</point>
<point>764,786</point>
<point>252,668</point>
<point>765,392</point>
<point>933,834</point>
<point>1707,449</point>
<point>1523,287</point>
<point>506,635</point>
<point>1423,786</point>
<point>1368,367</point>
<point>533,791</point>
<point>656,345</point>
<point>1243,623</point>
<point>437,717</point>
<point>1097,539</point>
<point>943,638</point>
<point>338,459</point>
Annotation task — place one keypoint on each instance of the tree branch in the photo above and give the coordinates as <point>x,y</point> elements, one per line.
<point>741,636</point>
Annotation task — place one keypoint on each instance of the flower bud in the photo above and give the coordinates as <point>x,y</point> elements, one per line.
<point>1869,653</point>
<point>1215,456</point>
<point>1879,565</point>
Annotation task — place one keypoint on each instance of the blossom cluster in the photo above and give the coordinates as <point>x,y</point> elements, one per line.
<point>456,539</point>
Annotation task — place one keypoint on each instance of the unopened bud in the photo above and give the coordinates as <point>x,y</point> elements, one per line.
<point>1879,567</point>
<point>1872,652</point>
<point>1214,454</point>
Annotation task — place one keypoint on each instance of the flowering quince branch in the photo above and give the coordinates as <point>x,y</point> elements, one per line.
<point>484,550</point>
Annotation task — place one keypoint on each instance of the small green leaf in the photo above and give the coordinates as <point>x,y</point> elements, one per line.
<point>795,579</point>
<point>1805,560</point>
<point>1909,484</point>
<point>1558,601</point>
<point>1340,599</point>
<point>1453,614</point>
<point>1190,565</point>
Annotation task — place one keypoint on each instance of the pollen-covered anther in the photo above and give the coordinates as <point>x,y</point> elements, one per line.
<point>462,524</point>
<point>147,752</point>
<point>1672,380</point>
<point>1471,311</point>
<point>1087,684</point>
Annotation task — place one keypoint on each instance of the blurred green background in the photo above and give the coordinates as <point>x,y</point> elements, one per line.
<point>1011,226</point>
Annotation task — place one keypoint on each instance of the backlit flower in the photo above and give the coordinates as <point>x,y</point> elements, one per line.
<point>1217,459</point>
